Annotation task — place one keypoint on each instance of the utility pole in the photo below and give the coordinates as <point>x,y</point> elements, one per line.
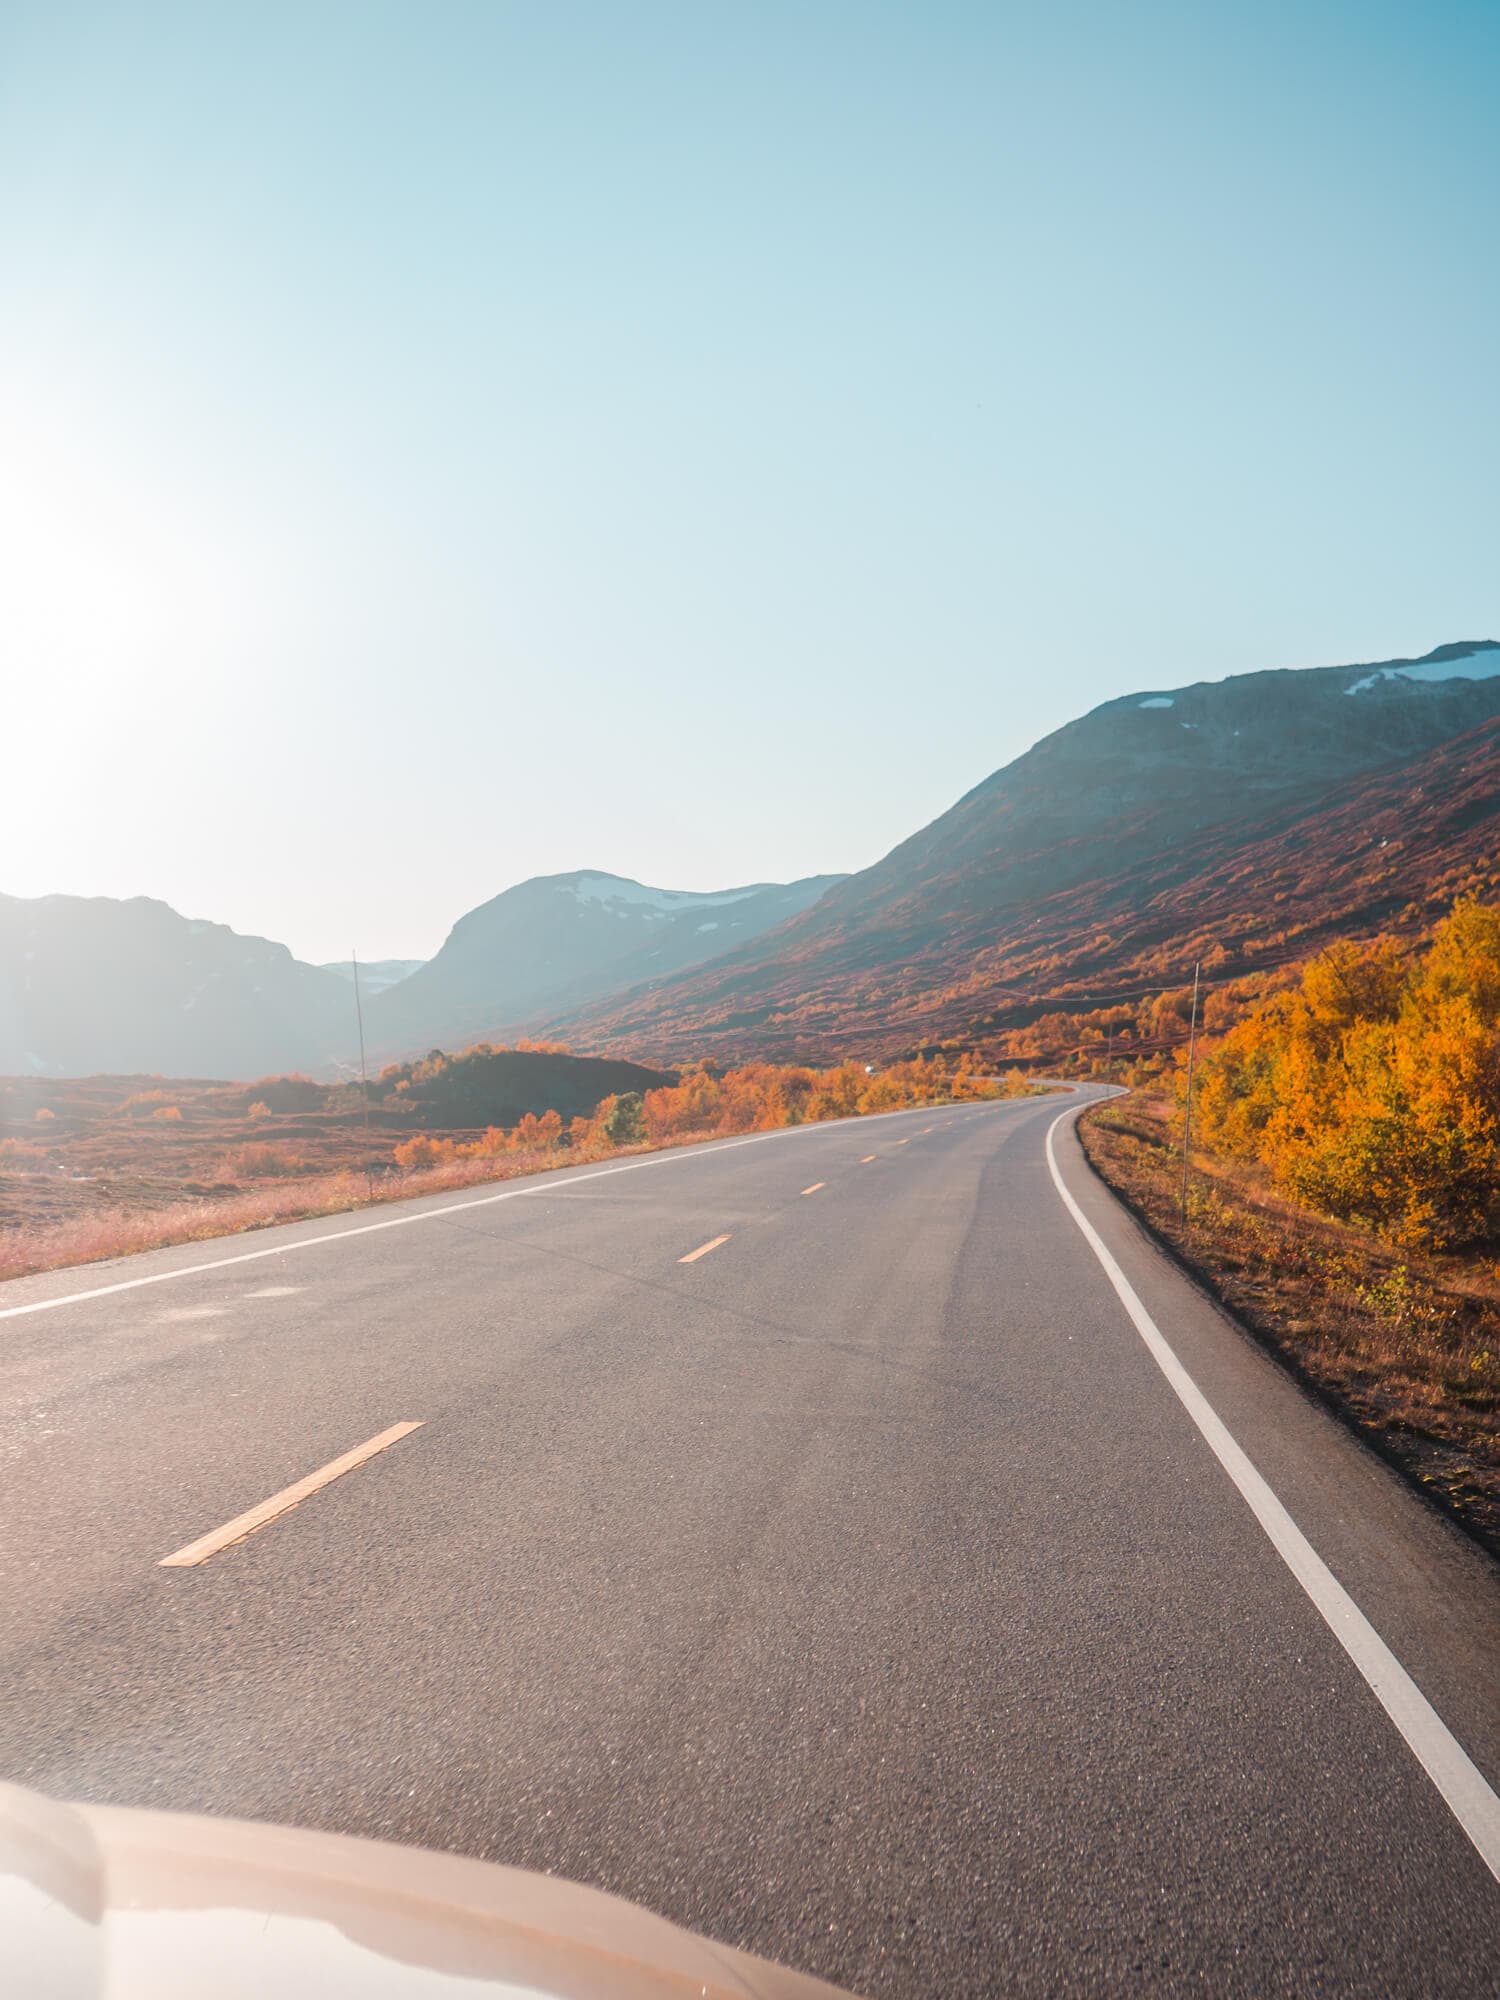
<point>1187,1127</point>
<point>364,1079</point>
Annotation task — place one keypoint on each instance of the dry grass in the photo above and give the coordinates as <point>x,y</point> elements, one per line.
<point>1408,1348</point>
<point>119,1232</point>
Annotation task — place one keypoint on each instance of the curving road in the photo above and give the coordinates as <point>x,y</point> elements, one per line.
<point>864,1589</point>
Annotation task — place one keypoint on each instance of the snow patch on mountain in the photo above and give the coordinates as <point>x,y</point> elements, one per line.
<point>617,889</point>
<point>1483,664</point>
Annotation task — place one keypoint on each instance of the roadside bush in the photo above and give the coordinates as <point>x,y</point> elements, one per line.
<point>1371,1090</point>
<point>257,1161</point>
<point>623,1119</point>
<point>762,1096</point>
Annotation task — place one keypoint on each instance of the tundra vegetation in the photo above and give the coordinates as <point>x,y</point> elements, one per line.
<point>707,1104</point>
<point>113,1177</point>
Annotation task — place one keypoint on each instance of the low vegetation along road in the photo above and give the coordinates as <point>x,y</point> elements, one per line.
<point>855,1542</point>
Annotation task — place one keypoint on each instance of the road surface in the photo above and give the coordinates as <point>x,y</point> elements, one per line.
<point>859,1590</point>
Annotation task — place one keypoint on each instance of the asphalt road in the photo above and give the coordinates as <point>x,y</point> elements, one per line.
<point>860,1593</point>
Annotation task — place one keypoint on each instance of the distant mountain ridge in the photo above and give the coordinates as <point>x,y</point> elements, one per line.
<point>1243,821</point>
<point>1115,812</point>
<point>375,974</point>
<point>91,984</point>
<point>566,941</point>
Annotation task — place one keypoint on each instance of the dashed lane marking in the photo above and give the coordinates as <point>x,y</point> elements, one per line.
<point>282,1502</point>
<point>703,1250</point>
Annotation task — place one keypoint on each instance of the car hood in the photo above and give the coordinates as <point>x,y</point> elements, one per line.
<point>102,1901</point>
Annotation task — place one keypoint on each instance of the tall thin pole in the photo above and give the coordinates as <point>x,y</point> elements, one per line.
<point>364,1079</point>
<point>1187,1126</point>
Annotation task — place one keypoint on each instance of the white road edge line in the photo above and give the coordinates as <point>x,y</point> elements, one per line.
<point>545,1185</point>
<point>1463,1786</point>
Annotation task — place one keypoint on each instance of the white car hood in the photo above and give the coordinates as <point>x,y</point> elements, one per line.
<point>102,1903</point>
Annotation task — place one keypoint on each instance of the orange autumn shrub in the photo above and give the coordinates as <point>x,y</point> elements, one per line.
<point>1371,1090</point>
<point>760,1097</point>
<point>708,1103</point>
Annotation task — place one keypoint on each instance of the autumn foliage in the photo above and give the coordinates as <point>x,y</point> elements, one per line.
<point>708,1104</point>
<point>1371,1088</point>
<point>762,1096</point>
<point>532,1135</point>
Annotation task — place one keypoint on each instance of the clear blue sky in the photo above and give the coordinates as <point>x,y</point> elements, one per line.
<point>441,444</point>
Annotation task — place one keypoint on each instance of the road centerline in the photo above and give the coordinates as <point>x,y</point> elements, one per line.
<point>283,1502</point>
<point>815,1186</point>
<point>703,1249</point>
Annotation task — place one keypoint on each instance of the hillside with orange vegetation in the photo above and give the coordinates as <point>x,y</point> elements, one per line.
<point>1071,895</point>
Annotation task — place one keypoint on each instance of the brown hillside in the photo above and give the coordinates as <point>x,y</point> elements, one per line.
<point>1383,849</point>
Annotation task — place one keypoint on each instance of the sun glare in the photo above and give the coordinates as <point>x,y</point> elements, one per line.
<point>101,578</point>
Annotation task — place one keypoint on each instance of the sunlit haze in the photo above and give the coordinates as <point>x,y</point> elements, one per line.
<point>443,445</point>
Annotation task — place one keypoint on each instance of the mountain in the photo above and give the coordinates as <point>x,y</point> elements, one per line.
<point>375,974</point>
<point>1231,817</point>
<point>1241,822</point>
<point>560,942</point>
<point>91,984</point>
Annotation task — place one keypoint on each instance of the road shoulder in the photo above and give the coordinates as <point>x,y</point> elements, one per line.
<point>1429,1590</point>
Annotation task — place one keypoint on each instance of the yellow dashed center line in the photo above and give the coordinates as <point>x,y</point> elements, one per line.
<point>702,1250</point>
<point>815,1186</point>
<point>282,1502</point>
<point>867,1159</point>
